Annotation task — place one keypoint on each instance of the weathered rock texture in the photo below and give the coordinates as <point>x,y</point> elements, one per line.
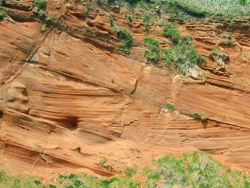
<point>69,95</point>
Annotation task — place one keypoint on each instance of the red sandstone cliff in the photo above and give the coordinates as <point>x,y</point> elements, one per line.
<point>69,95</point>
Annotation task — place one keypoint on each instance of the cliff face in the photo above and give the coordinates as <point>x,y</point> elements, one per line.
<point>69,95</point>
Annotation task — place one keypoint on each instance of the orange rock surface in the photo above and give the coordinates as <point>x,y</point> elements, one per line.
<point>69,95</point>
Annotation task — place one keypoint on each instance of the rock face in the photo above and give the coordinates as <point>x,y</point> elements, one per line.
<point>69,95</point>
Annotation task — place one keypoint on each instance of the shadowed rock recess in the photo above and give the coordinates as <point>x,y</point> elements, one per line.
<point>70,93</point>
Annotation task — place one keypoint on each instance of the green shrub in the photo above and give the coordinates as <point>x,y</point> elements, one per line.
<point>146,20</point>
<point>2,14</point>
<point>216,55</point>
<point>170,107</point>
<point>228,40</point>
<point>195,115</point>
<point>102,161</point>
<point>72,176</point>
<point>151,43</point>
<point>226,36</point>
<point>152,57</point>
<point>153,54</point>
<point>130,171</point>
<point>203,117</point>
<point>125,36</point>
<point>52,186</point>
<point>39,4</point>
<point>183,57</point>
<point>173,34</point>
<point>129,18</point>
<point>37,182</point>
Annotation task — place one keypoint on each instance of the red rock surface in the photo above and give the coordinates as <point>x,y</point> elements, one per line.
<point>69,95</point>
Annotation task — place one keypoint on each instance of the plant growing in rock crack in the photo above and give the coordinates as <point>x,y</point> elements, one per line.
<point>126,38</point>
<point>122,34</point>
<point>78,149</point>
<point>129,18</point>
<point>228,40</point>
<point>183,56</point>
<point>195,115</point>
<point>39,7</point>
<point>146,20</point>
<point>102,161</point>
<point>201,116</point>
<point>219,57</point>
<point>172,34</point>
<point>170,107</point>
<point>153,52</point>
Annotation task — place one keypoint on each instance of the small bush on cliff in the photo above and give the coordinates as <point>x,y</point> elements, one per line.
<point>183,56</point>
<point>153,54</point>
<point>102,161</point>
<point>2,14</point>
<point>172,33</point>
<point>202,116</point>
<point>146,21</point>
<point>228,40</point>
<point>195,115</point>
<point>39,4</point>
<point>170,107</point>
<point>129,18</point>
<point>130,171</point>
<point>220,58</point>
<point>216,54</point>
<point>125,36</point>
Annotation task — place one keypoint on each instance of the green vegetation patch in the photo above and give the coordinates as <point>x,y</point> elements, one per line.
<point>228,40</point>
<point>86,181</point>
<point>172,33</point>
<point>183,56</point>
<point>151,43</point>
<point>216,55</point>
<point>153,54</point>
<point>22,181</point>
<point>202,116</point>
<point>2,14</point>
<point>102,161</point>
<point>213,7</point>
<point>39,4</point>
<point>147,21</point>
<point>193,169</point>
<point>196,169</point>
<point>170,107</point>
<point>125,36</point>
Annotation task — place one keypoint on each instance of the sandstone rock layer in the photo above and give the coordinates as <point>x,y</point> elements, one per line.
<point>69,95</point>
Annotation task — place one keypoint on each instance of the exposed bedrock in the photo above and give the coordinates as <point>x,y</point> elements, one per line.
<point>67,99</point>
